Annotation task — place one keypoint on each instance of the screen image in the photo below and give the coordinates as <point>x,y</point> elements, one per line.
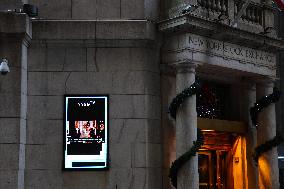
<point>86,132</point>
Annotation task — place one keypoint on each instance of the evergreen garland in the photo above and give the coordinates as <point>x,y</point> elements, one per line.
<point>254,111</point>
<point>175,104</point>
<point>268,145</point>
<point>178,163</point>
<point>179,99</point>
<point>263,103</point>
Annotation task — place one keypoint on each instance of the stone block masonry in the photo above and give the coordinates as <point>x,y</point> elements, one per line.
<point>131,77</point>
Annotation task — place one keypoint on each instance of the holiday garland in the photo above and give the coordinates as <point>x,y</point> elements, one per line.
<point>254,111</point>
<point>263,103</point>
<point>179,99</point>
<point>178,163</point>
<point>268,145</point>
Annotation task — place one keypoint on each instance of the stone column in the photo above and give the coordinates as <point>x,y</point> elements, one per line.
<point>14,41</point>
<point>268,172</point>
<point>186,128</point>
<point>251,136</point>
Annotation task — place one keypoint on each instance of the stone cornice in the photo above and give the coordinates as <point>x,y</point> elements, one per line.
<point>15,27</point>
<point>203,26</point>
<point>93,30</point>
<point>15,24</point>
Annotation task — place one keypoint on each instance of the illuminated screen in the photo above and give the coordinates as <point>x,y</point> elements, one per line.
<point>86,132</point>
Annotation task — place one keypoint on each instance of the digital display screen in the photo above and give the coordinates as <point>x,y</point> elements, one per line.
<point>86,132</point>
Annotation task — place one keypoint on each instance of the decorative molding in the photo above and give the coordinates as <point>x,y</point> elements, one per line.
<point>177,10</point>
<point>199,49</point>
<point>212,47</point>
<point>220,31</point>
<point>185,65</point>
<point>172,23</point>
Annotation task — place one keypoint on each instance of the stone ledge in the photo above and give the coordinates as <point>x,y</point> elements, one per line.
<point>96,43</point>
<point>209,28</point>
<point>14,23</point>
<point>93,29</point>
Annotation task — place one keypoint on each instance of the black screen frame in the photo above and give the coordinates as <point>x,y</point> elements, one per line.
<point>64,133</point>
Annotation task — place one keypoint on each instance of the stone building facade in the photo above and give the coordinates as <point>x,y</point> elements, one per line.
<point>141,53</point>
<point>280,28</point>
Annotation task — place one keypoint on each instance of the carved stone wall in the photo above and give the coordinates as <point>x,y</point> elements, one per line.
<point>200,49</point>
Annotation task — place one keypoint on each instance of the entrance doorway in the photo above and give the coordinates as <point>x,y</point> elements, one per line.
<point>212,169</point>
<point>220,159</point>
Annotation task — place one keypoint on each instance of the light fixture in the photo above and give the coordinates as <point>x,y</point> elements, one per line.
<point>4,68</point>
<point>207,130</point>
<point>189,8</point>
<point>281,157</point>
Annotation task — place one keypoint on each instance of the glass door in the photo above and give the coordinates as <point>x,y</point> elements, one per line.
<point>212,169</point>
<point>205,170</point>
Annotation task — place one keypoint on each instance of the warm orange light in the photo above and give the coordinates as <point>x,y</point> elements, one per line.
<point>239,163</point>
<point>265,180</point>
<point>207,130</point>
<point>203,149</point>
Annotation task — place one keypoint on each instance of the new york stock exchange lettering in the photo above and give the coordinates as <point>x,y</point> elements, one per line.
<point>228,50</point>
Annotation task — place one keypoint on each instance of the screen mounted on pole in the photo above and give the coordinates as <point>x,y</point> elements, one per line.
<point>86,132</point>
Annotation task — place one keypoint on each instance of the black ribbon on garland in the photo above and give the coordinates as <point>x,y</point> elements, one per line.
<point>175,104</point>
<point>254,111</point>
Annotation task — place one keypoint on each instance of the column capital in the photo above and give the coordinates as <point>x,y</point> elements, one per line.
<point>266,82</point>
<point>185,67</point>
<point>264,87</point>
<point>248,83</point>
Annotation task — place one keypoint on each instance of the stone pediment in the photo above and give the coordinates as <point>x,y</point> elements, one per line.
<point>199,49</point>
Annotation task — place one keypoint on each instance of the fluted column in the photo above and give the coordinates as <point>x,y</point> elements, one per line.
<point>251,136</point>
<point>268,172</point>
<point>186,128</point>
